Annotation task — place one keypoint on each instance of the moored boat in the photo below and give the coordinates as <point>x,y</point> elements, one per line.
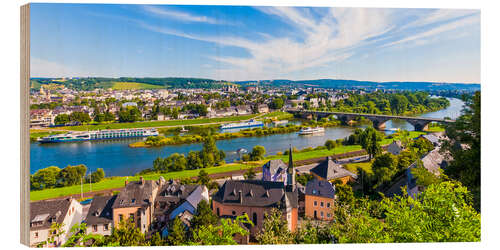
<point>310,131</point>
<point>250,124</point>
<point>99,135</point>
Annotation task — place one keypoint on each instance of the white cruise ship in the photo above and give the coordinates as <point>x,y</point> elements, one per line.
<point>310,131</point>
<point>99,135</point>
<point>250,124</point>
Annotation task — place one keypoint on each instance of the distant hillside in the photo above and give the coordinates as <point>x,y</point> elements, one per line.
<point>369,85</point>
<point>92,83</point>
<point>179,82</point>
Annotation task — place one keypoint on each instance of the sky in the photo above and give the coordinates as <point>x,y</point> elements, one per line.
<point>237,43</point>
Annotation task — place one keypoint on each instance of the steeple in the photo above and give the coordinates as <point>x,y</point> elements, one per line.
<point>290,180</point>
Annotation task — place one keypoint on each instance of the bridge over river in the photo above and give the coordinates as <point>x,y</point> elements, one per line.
<point>420,123</point>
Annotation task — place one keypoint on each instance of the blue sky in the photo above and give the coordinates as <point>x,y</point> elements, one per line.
<point>255,43</point>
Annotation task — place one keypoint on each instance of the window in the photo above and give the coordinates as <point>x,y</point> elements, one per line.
<point>131,217</point>
<point>322,204</point>
<point>254,219</point>
<point>322,215</point>
<point>328,204</point>
<point>106,227</point>
<point>121,217</point>
<point>315,203</point>
<point>328,215</point>
<point>36,234</point>
<point>218,212</point>
<point>233,212</point>
<point>94,228</point>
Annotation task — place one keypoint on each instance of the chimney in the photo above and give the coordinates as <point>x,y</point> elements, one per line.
<point>241,196</point>
<point>126,181</point>
<point>142,180</point>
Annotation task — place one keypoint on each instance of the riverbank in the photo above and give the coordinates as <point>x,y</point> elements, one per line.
<point>197,138</point>
<point>118,181</point>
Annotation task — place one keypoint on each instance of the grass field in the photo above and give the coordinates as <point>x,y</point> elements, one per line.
<point>149,124</point>
<point>366,166</point>
<point>133,85</point>
<point>118,181</point>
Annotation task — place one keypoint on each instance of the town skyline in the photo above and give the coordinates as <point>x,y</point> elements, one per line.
<point>237,43</point>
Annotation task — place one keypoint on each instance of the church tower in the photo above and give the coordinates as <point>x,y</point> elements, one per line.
<point>290,179</point>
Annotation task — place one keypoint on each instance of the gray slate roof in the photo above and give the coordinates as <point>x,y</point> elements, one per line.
<point>171,195</point>
<point>395,148</point>
<point>256,193</point>
<point>101,211</point>
<point>44,213</point>
<point>320,188</point>
<point>329,170</point>
<point>276,166</point>
<point>136,194</point>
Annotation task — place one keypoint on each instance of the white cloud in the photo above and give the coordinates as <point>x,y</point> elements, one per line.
<point>179,15</point>
<point>44,68</point>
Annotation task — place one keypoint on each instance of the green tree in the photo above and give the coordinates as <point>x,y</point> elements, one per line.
<point>330,144</point>
<point>79,117</point>
<point>96,176</point>
<point>203,178</point>
<point>61,119</point>
<point>44,178</point>
<point>309,233</point>
<point>464,147</point>
<point>257,153</point>
<point>384,168</point>
<point>442,213</point>
<point>222,233</point>
<point>203,216</point>
<point>129,114</point>
<point>156,240</point>
<point>80,236</point>
<point>276,103</point>
<point>126,234</point>
<point>249,174</point>
<point>71,175</point>
<point>275,229</point>
<point>369,140</point>
<point>177,233</point>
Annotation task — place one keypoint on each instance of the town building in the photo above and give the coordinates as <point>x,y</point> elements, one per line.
<point>135,203</point>
<point>433,161</point>
<point>319,199</point>
<point>256,198</point>
<point>45,214</point>
<point>99,218</point>
<point>330,171</point>
<point>395,147</point>
<point>274,170</point>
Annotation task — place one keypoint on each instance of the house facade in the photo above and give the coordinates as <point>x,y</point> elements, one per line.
<point>43,214</point>
<point>330,171</point>
<point>319,199</point>
<point>99,218</point>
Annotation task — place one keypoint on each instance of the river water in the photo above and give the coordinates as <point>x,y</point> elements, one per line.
<point>117,159</point>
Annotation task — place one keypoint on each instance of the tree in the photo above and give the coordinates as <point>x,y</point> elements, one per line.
<point>177,233</point>
<point>276,103</point>
<point>330,144</point>
<point>61,119</point>
<point>203,216</point>
<point>203,178</point>
<point>304,178</point>
<point>81,117</point>
<point>44,178</point>
<point>257,153</point>
<point>129,114</point>
<point>441,213</point>
<point>369,140</point>
<point>222,233</point>
<point>210,155</point>
<point>249,174</point>
<point>96,176</point>
<point>71,175</point>
<point>384,168</point>
<point>405,159</point>
<point>55,232</point>
<point>126,234</point>
<point>79,236</point>
<point>275,229</point>
<point>421,146</point>
<point>308,233</point>
<point>156,240</point>
<point>464,147</point>
<point>399,104</point>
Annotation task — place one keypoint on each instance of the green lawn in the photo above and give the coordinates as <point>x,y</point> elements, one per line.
<point>148,124</point>
<point>134,85</point>
<point>366,166</point>
<point>119,181</point>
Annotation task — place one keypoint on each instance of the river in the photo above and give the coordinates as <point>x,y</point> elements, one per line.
<point>117,159</point>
